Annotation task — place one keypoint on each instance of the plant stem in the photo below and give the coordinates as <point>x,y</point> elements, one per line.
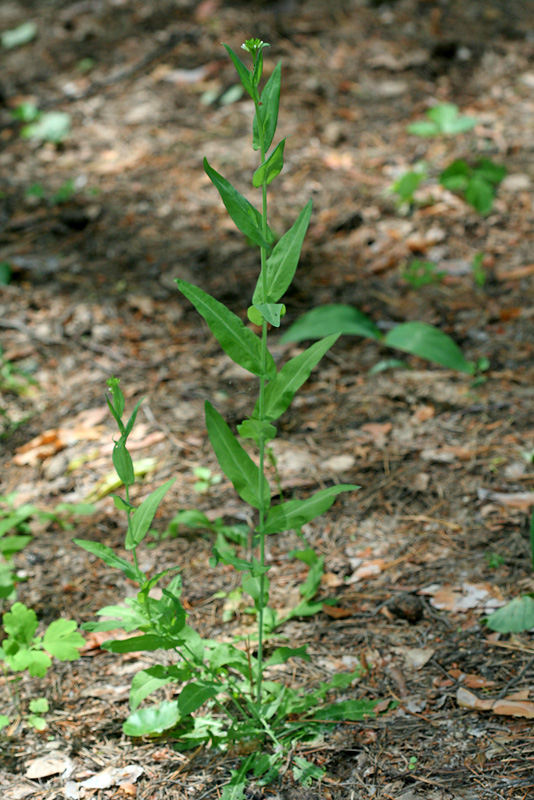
<point>261,443</point>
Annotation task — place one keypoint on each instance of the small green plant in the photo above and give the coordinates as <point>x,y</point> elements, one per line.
<point>408,183</point>
<point>494,560</point>
<point>22,649</point>
<point>422,273</point>
<point>517,615</point>
<point>206,479</point>
<point>13,379</point>
<point>44,126</point>
<point>66,192</point>
<point>227,691</point>
<point>477,184</point>
<point>442,120</point>
<point>479,273</point>
<point>412,762</point>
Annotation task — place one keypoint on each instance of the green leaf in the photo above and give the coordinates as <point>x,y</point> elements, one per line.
<point>246,217</point>
<point>328,319</point>
<point>443,119</point>
<point>282,654</point>
<point>13,544</point>
<point>35,661</point>
<point>149,642</point>
<point>237,341</point>
<point>424,128</point>
<point>456,176</point>
<point>234,461</point>
<point>39,705</point>
<point>121,504</point>
<point>271,312</point>
<point>62,640</point>
<point>54,126</point>
<point>280,391</point>
<point>515,617</point>
<point>122,461</point>
<point>126,617</point>
<point>480,194</point>
<point>282,263</point>
<point>226,655</point>
<point>348,710</point>
<point>308,589</point>
<point>268,111</point>
<point>243,72</point>
<point>195,695</point>
<point>131,421</point>
<point>296,513</point>
<point>18,36</point>
<point>141,519</point>
<point>305,772</point>
<point>426,341</point>
<point>227,556</point>
<point>388,363</point>
<point>256,430</point>
<point>39,723</point>
<point>144,684</point>
<point>4,721</point>
<point>408,183</point>
<point>271,167</point>
<point>257,589</point>
<point>489,171</point>
<point>154,719</point>
<point>108,556</point>
<point>20,623</point>
<point>117,405</point>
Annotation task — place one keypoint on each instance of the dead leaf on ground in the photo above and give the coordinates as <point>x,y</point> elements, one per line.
<point>367,570</point>
<point>470,680</point>
<point>53,764</point>
<point>335,612</point>
<point>507,706</point>
<point>469,596</point>
<point>521,500</point>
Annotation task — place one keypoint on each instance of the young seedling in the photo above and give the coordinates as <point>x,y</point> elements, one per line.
<point>22,649</point>
<point>442,120</point>
<point>422,273</point>
<point>226,692</point>
<point>477,184</point>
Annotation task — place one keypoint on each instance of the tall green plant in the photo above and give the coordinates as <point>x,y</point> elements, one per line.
<point>225,692</point>
<point>276,388</point>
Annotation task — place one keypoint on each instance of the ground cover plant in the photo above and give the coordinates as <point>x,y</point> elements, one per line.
<point>227,691</point>
<point>22,649</point>
<point>476,182</point>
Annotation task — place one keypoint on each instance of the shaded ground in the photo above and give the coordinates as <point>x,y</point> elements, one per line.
<point>93,295</point>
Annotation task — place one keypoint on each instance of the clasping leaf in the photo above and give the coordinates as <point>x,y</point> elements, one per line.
<point>247,218</point>
<point>271,167</point>
<point>234,461</point>
<point>296,513</point>
<point>237,341</point>
<point>282,262</point>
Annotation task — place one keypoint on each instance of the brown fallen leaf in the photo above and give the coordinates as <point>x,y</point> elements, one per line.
<point>507,706</point>
<point>516,499</point>
<point>334,612</point>
<point>470,680</point>
<point>367,570</point>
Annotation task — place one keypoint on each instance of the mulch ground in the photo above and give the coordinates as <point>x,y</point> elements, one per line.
<point>438,534</point>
